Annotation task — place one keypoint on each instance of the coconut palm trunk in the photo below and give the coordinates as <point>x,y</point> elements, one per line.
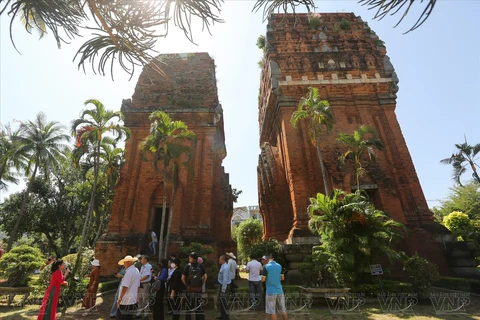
<point>172,202</point>
<point>14,232</point>
<point>322,168</point>
<point>164,213</point>
<point>91,205</point>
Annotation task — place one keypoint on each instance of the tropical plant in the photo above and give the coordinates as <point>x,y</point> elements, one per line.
<point>353,234</point>
<point>18,264</point>
<point>363,140</point>
<point>421,272</point>
<point>319,115</point>
<point>10,159</point>
<point>90,130</point>
<point>464,198</point>
<point>466,156</point>
<point>459,224</point>
<point>126,32</point>
<point>249,232</point>
<point>42,143</point>
<point>167,142</point>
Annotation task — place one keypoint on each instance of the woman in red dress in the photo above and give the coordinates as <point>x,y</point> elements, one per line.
<point>48,310</point>
<point>88,301</point>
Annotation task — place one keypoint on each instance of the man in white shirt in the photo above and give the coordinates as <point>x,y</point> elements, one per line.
<point>153,245</point>
<point>232,265</point>
<point>143,291</point>
<point>255,282</point>
<point>127,299</point>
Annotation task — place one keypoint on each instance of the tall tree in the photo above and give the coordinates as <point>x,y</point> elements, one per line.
<point>126,32</point>
<point>90,130</point>
<point>43,143</point>
<point>10,158</point>
<point>165,144</point>
<point>364,140</point>
<point>466,156</point>
<point>319,115</point>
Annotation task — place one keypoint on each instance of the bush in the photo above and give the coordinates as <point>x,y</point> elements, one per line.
<point>249,233</point>
<point>459,223</point>
<point>76,286</point>
<point>17,266</point>
<point>460,284</point>
<point>345,25</point>
<point>388,286</point>
<point>108,285</point>
<point>261,42</point>
<point>268,247</point>
<point>314,22</point>
<point>203,251</point>
<point>420,272</point>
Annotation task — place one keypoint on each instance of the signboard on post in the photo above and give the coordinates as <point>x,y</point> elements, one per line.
<point>376,269</point>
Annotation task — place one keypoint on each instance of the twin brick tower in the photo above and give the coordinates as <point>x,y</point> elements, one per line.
<point>341,57</point>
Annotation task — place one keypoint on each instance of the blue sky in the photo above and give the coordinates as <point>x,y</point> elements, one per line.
<point>438,66</point>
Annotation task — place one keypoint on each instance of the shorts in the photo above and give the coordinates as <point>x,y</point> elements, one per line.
<point>274,300</point>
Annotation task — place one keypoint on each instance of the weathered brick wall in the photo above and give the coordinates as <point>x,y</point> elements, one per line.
<point>203,202</point>
<point>347,62</point>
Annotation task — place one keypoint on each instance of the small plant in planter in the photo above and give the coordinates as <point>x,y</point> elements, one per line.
<point>345,25</point>
<point>314,22</point>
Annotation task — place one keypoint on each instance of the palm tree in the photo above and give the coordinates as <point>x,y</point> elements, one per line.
<point>167,141</point>
<point>32,20</point>
<point>319,116</point>
<point>112,160</point>
<point>9,157</point>
<point>90,130</point>
<point>353,234</point>
<point>464,157</point>
<point>42,143</point>
<point>358,144</point>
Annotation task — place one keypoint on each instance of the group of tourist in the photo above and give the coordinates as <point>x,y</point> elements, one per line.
<point>141,291</point>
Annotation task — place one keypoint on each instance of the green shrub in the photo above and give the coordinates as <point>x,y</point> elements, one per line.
<point>271,246</point>
<point>420,272</point>
<point>203,251</point>
<point>314,22</point>
<point>373,289</point>
<point>108,285</point>
<point>17,266</point>
<point>76,286</point>
<point>460,284</point>
<point>345,25</point>
<point>261,42</point>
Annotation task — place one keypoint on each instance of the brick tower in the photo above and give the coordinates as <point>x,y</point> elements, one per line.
<point>347,62</point>
<point>203,201</point>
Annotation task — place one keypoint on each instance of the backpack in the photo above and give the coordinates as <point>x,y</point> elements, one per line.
<point>195,278</point>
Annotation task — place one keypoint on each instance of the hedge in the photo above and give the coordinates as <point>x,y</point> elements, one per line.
<point>108,285</point>
<point>388,286</point>
<point>460,284</point>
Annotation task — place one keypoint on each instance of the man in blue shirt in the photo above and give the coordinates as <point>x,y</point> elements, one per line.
<point>273,277</point>
<point>224,279</point>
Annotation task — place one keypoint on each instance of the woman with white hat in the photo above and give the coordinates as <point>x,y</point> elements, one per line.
<point>88,301</point>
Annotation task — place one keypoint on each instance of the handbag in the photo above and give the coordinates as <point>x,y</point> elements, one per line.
<point>157,285</point>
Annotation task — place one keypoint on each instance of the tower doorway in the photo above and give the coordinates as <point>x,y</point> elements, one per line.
<point>157,222</point>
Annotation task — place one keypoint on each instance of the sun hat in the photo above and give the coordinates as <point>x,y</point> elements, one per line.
<point>231,255</point>
<point>95,263</point>
<point>127,258</point>
<point>264,258</point>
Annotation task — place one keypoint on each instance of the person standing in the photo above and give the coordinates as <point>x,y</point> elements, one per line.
<point>127,300</point>
<point>119,275</point>
<point>225,281</point>
<point>232,265</point>
<point>273,277</point>
<point>48,310</point>
<point>176,287</point>
<point>88,301</point>
<point>254,282</point>
<point>193,278</point>
<point>144,290</point>
<point>153,245</point>
<point>162,276</point>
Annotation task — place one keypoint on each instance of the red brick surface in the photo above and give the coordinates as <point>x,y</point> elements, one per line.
<point>361,90</point>
<point>203,201</point>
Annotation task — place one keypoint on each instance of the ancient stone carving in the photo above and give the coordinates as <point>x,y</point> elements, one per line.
<point>307,65</point>
<point>370,61</point>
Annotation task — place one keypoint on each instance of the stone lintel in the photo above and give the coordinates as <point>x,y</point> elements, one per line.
<point>333,81</point>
